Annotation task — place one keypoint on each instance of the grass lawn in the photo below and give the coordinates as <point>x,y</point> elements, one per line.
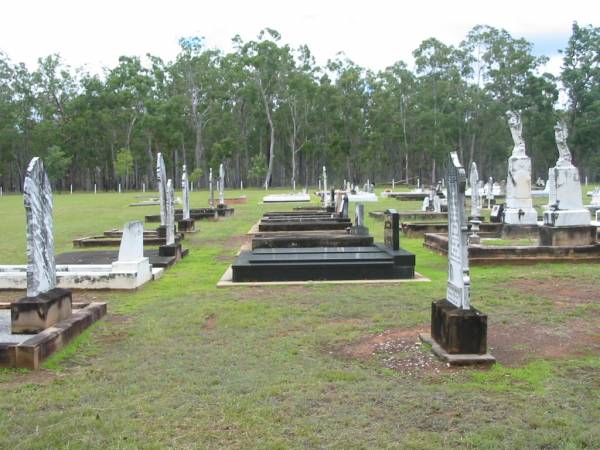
<point>183,364</point>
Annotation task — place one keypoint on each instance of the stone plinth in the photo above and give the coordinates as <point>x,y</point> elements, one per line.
<point>567,218</point>
<point>518,231</point>
<point>172,250</point>
<point>186,226</point>
<point>31,315</point>
<point>513,216</point>
<point>567,236</point>
<point>457,330</point>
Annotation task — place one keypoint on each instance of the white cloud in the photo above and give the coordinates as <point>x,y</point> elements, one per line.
<point>374,34</point>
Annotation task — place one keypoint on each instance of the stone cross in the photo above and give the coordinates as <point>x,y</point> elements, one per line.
<point>221,185</point>
<point>211,188</point>
<point>161,179</point>
<point>132,242</point>
<point>37,196</point>
<point>459,280</point>
<point>185,188</point>
<point>170,214</point>
<point>474,180</point>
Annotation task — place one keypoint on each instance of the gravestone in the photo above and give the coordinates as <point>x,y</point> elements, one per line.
<point>391,229</point>
<point>45,304</point>
<point>359,227</point>
<point>186,224</point>
<point>456,327</point>
<point>132,242</point>
<point>221,186</point>
<point>161,180</point>
<point>474,180</point>
<point>596,197</point>
<point>326,201</point>
<point>519,202</point>
<point>171,247</point>
<point>437,204</point>
<point>489,192</point>
<point>211,188</point>
<point>567,222</point>
<point>345,206</point>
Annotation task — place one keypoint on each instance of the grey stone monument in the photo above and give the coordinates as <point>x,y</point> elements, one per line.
<point>474,181</point>
<point>186,224</point>
<point>161,180</point>
<point>567,222</point>
<point>458,331</point>
<point>171,248</point>
<point>211,188</point>
<point>326,201</point>
<point>519,202</point>
<point>359,227</point>
<point>45,304</point>
<point>221,186</point>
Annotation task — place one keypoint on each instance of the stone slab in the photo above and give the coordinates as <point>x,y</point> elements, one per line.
<point>97,257</point>
<point>454,359</point>
<point>304,226</point>
<point>308,239</point>
<point>34,314</point>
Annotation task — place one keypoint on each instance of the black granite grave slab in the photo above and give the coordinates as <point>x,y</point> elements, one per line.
<point>300,225</point>
<point>323,263</point>
<point>310,239</point>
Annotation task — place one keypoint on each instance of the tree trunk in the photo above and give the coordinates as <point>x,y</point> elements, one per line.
<point>271,143</point>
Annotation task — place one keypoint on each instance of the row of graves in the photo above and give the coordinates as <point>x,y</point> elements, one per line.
<point>313,244</point>
<point>564,231</point>
<point>49,316</point>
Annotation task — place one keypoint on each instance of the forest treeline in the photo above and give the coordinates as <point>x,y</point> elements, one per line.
<point>271,115</point>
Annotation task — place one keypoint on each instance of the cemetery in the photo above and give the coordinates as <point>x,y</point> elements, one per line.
<point>273,246</point>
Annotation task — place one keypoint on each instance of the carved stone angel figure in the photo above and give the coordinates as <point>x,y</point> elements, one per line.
<point>516,130</point>
<point>560,134</point>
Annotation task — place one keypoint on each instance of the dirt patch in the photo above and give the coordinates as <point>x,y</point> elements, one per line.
<point>37,377</point>
<point>210,322</point>
<point>512,345</point>
<point>564,292</point>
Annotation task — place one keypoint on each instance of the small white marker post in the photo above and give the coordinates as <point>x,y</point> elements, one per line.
<point>71,189</point>
<point>95,189</point>
<point>241,185</point>
<point>393,184</point>
<point>119,188</point>
<point>143,187</point>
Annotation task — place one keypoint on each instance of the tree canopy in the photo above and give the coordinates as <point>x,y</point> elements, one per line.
<point>273,116</point>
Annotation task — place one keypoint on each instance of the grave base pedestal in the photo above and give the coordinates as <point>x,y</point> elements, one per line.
<point>31,315</point>
<point>162,231</point>
<point>567,236</point>
<point>186,226</point>
<point>172,250</point>
<point>458,331</point>
<point>519,216</point>
<point>510,231</point>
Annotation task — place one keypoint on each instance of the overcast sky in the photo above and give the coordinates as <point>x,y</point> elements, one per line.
<point>373,33</point>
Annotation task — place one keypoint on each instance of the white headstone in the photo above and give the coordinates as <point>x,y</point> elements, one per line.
<point>119,188</point>
<point>161,180</point>
<point>596,197</point>
<point>185,194</point>
<point>519,203</point>
<point>95,188</point>
<point>459,280</point>
<point>565,188</point>
<point>143,187</point>
<point>37,195</point>
<point>211,188</point>
<point>474,180</point>
<point>170,213</point>
<point>325,192</point>
<point>437,205</point>
<point>221,185</point>
<point>71,189</point>
<point>132,242</point>
<point>360,215</point>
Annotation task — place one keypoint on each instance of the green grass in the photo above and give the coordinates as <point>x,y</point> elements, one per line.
<point>187,365</point>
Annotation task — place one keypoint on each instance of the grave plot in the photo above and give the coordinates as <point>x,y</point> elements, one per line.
<point>385,261</point>
<point>566,232</point>
<point>44,320</point>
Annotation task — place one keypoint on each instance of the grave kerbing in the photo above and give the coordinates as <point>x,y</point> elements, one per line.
<point>458,331</point>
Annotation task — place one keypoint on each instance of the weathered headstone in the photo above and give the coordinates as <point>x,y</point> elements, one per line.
<point>186,224</point>
<point>567,222</point>
<point>325,192</point>
<point>519,202</point>
<point>45,304</point>
<point>489,192</point>
<point>211,188</point>
<point>345,206</point>
<point>221,185</point>
<point>132,242</point>
<point>456,327</point>
<point>474,180</point>
<point>359,227</point>
<point>161,180</point>
<point>391,229</point>
<point>170,214</point>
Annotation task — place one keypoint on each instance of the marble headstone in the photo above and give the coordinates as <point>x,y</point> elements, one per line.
<point>161,179</point>
<point>170,214</point>
<point>132,242</point>
<point>221,185</point>
<point>37,195</point>
<point>567,208</point>
<point>474,180</point>
<point>325,187</point>
<point>185,193</point>
<point>519,202</point>
<point>459,280</point>
<point>211,188</point>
